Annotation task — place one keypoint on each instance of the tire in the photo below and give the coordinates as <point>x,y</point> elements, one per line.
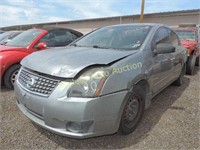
<point>197,61</point>
<point>190,65</point>
<point>10,75</point>
<point>133,111</point>
<point>179,81</point>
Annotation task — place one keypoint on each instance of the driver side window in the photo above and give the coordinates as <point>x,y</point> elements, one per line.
<point>58,38</point>
<point>49,39</point>
<point>162,36</point>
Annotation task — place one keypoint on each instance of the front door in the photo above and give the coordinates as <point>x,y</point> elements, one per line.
<point>162,64</point>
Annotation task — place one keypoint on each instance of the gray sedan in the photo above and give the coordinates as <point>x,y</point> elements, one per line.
<point>102,83</point>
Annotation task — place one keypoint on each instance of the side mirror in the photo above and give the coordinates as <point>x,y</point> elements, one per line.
<point>41,45</point>
<point>163,48</point>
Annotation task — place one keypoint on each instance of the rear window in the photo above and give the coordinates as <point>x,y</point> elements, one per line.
<point>186,35</point>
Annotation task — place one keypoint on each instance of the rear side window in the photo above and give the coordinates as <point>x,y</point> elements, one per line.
<point>58,38</point>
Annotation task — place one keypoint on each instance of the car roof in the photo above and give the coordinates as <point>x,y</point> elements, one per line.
<point>13,31</point>
<point>59,28</point>
<point>137,24</point>
<point>154,26</point>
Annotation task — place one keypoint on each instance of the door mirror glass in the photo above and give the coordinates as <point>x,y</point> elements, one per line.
<point>163,48</point>
<point>41,45</point>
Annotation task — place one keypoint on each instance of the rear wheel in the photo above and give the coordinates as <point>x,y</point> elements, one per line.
<point>191,64</point>
<point>133,111</point>
<point>9,76</point>
<point>197,62</point>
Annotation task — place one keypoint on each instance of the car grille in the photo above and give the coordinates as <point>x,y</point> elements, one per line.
<point>36,84</point>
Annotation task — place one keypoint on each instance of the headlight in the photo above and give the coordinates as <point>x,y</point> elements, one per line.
<point>89,84</point>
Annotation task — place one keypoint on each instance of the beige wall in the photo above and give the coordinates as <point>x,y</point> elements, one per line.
<point>171,20</point>
<point>168,18</point>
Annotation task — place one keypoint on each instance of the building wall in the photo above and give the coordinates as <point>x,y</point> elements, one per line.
<point>87,25</point>
<point>168,19</point>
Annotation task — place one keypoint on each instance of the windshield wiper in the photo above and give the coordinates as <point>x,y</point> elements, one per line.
<point>94,46</point>
<point>73,44</point>
<point>76,45</point>
<point>97,46</point>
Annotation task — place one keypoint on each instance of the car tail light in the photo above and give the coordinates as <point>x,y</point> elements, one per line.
<point>189,51</point>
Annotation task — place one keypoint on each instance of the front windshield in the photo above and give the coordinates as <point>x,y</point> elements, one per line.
<point>5,35</point>
<point>116,37</point>
<point>25,38</point>
<point>186,35</point>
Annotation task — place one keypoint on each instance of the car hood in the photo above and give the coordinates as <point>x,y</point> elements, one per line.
<point>10,48</point>
<point>189,44</point>
<point>67,62</point>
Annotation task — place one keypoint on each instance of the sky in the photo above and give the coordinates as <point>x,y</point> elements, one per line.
<point>19,12</point>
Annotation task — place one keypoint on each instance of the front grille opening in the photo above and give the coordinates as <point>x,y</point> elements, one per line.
<point>37,84</point>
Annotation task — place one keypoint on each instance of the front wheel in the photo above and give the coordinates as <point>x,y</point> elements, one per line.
<point>133,111</point>
<point>190,65</point>
<point>9,76</point>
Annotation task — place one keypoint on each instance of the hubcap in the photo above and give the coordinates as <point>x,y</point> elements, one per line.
<point>13,76</point>
<point>132,110</point>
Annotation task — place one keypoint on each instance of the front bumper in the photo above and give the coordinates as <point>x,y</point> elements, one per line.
<point>96,116</point>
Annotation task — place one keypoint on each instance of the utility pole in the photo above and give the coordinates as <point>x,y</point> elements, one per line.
<point>142,12</point>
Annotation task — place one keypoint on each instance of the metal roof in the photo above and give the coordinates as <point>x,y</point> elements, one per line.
<point>158,14</point>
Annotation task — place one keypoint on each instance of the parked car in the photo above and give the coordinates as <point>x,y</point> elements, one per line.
<point>188,34</point>
<point>27,42</point>
<point>1,31</point>
<point>8,36</point>
<point>103,82</point>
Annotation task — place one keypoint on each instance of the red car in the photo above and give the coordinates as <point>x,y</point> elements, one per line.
<point>188,34</point>
<point>28,42</point>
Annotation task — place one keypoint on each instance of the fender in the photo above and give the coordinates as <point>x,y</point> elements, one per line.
<point>9,58</point>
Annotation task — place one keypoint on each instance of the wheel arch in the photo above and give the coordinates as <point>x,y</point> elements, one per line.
<point>2,79</point>
<point>145,85</point>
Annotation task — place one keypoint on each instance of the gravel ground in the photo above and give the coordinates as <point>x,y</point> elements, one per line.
<point>172,122</point>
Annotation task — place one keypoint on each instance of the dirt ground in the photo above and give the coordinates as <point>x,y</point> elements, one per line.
<point>172,122</point>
